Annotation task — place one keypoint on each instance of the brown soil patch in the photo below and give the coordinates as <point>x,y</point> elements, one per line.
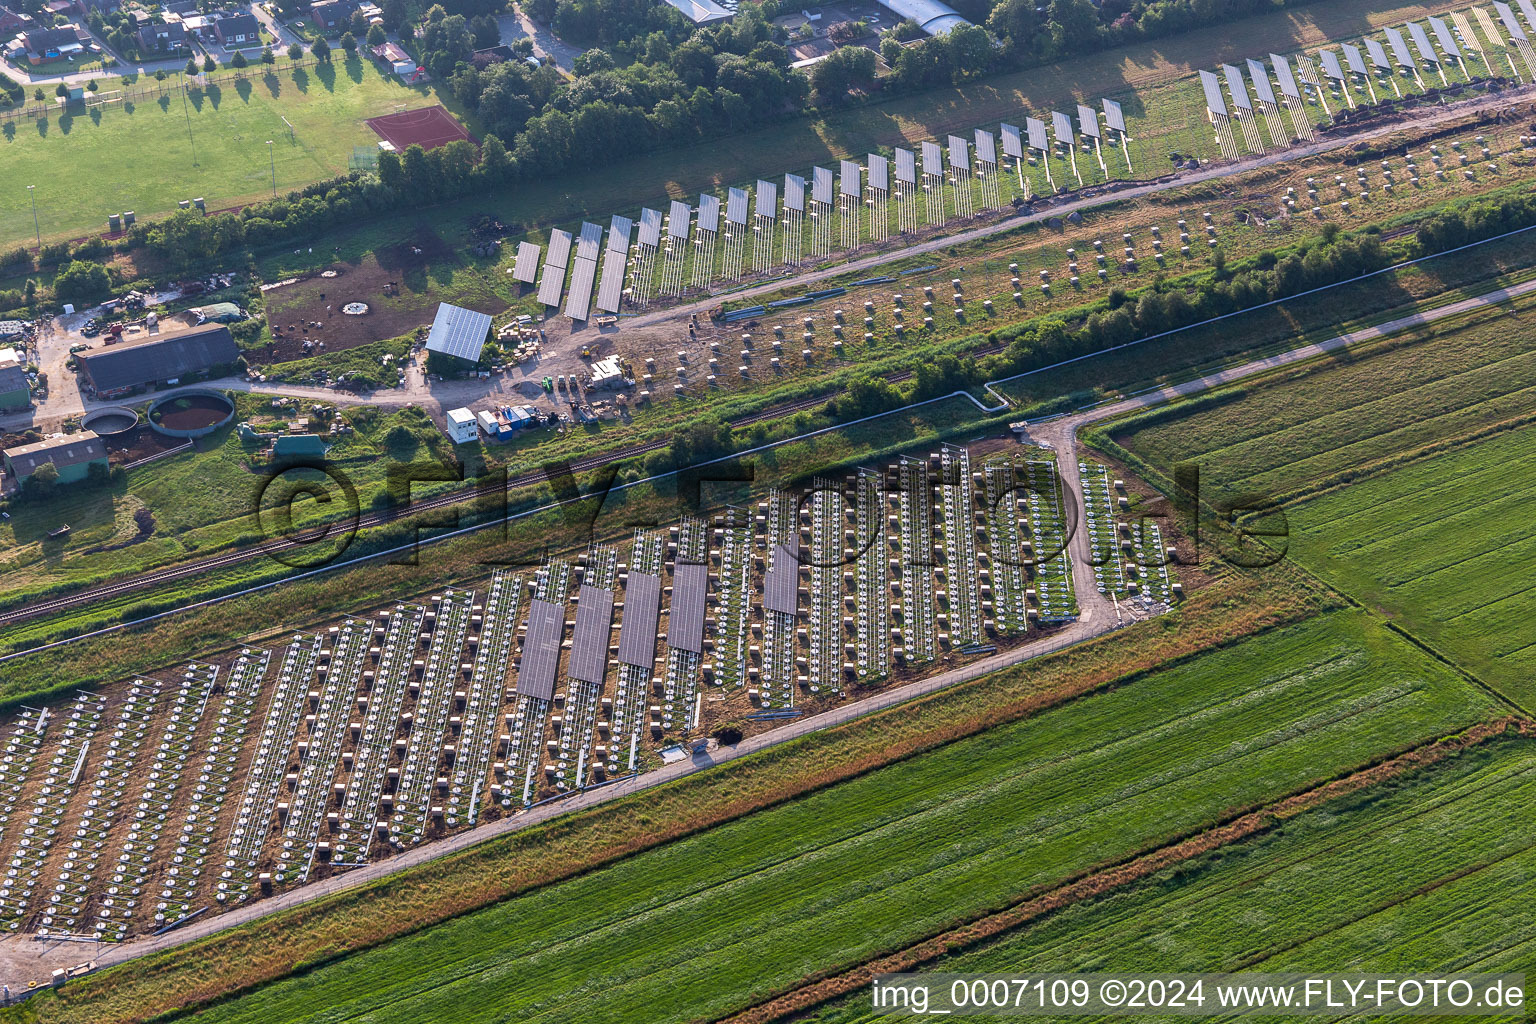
<point>310,311</point>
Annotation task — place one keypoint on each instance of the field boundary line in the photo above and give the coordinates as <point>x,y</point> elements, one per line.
<point>1116,876</point>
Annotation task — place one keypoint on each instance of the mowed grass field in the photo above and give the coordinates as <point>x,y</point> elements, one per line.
<point>1406,477</point>
<point>1434,873</point>
<point>137,155</point>
<point>709,923</point>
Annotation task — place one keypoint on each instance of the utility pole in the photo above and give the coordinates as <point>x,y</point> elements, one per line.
<point>32,191</point>
<point>273,161</point>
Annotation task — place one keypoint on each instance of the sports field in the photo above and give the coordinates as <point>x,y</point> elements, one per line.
<point>1332,889</point>
<point>706,924</point>
<point>138,155</point>
<point>1405,479</point>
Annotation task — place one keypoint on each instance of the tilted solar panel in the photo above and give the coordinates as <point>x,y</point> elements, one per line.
<point>1236,87</point>
<point>1284,77</point>
<point>650,227</point>
<point>781,583</point>
<point>794,192</point>
<point>709,213</point>
<point>933,160</point>
<point>986,147</point>
<point>1035,129</point>
<point>685,624</point>
<point>637,630</point>
<point>1088,121</point>
<point>1214,101</point>
<point>821,185</point>
<point>736,206</point>
<point>1114,116</point>
<point>1422,44</point>
<point>1260,75</point>
<point>1353,59</point>
<point>879,173</point>
<point>767,199</point>
<point>1378,54</point>
<point>526,269</point>
<point>1511,23</point>
<point>1061,125</point>
<point>1013,145</point>
<point>1446,36</point>
<point>906,166</point>
<point>1331,66</point>
<point>678,220</point>
<point>1399,48</point>
<point>849,179</point>
<point>594,628</point>
<point>541,649</point>
<point>959,154</point>
<point>619,229</point>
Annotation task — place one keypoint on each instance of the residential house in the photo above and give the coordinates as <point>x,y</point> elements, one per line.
<point>13,22</point>
<point>238,30</point>
<point>44,44</point>
<point>162,37</point>
<point>333,15</point>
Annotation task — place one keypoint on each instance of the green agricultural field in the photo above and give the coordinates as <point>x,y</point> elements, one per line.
<point>1406,475</point>
<point>1434,874</point>
<point>137,155</point>
<point>706,924</point>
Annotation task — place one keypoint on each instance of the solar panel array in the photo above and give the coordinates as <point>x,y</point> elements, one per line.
<point>541,649</point>
<point>986,147</point>
<point>1088,121</point>
<point>794,193</point>
<point>1013,144</point>
<point>578,303</point>
<point>1260,76</point>
<point>1422,44</point>
<point>1331,66</point>
<point>906,166</point>
<point>610,290</point>
<point>1061,124</point>
<point>959,154</point>
<point>821,185</point>
<point>849,181</point>
<point>736,206</point>
<point>678,219</point>
<point>879,174</point>
<point>594,626</point>
<point>1114,116</point>
<point>590,242</point>
<point>1035,129</point>
<point>685,622</point>
<point>781,583</point>
<point>1214,101</point>
<point>933,160</point>
<point>1399,48</point>
<point>1529,10</point>
<point>650,228</point>
<point>1507,16</point>
<point>1446,36</point>
<point>552,284</point>
<point>526,269</point>
<point>767,199</point>
<point>1354,60</point>
<point>1235,84</point>
<point>642,609</point>
<point>1283,75</point>
<point>1378,54</point>
<point>709,213</point>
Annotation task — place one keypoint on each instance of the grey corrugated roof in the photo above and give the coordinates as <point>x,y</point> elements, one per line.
<point>69,450</point>
<point>12,378</point>
<point>459,332</point>
<point>167,358</point>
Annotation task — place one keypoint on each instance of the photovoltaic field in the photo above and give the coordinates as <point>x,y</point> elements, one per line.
<point>1405,477</point>
<point>711,923</point>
